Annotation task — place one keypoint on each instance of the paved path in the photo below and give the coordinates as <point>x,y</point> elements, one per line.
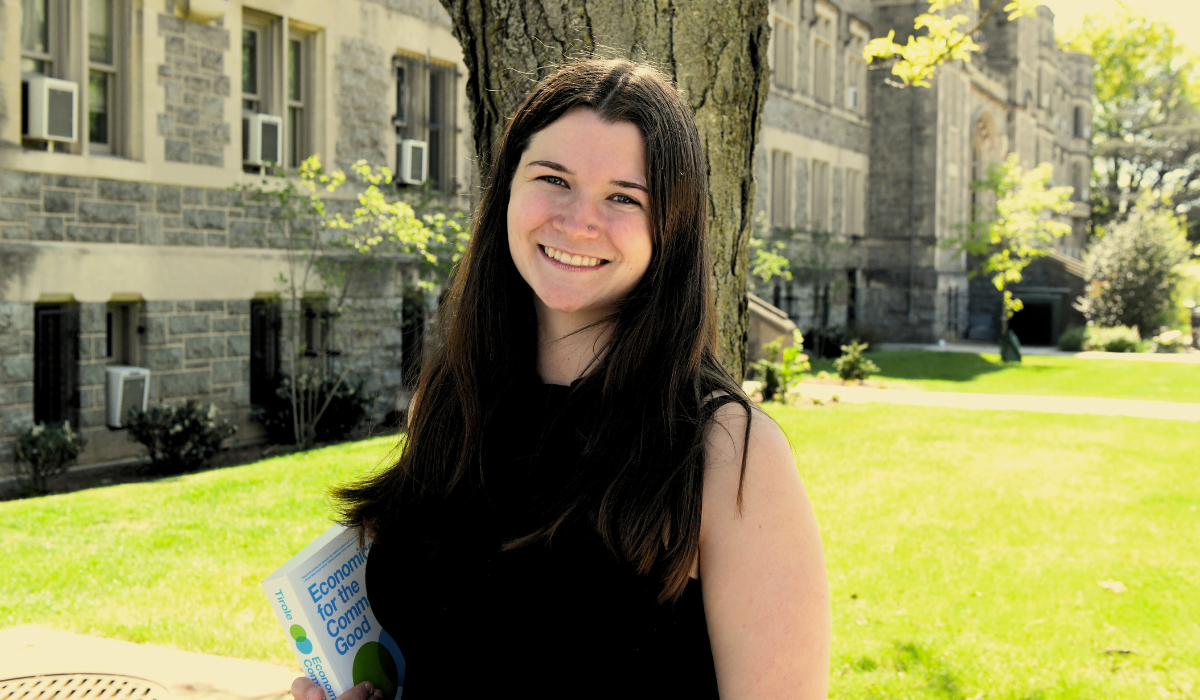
<point>1005,402</point>
<point>1192,358</point>
<point>30,651</point>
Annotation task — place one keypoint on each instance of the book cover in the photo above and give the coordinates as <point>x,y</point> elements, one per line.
<point>320,599</point>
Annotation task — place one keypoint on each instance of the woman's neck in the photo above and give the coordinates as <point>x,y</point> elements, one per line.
<point>566,346</point>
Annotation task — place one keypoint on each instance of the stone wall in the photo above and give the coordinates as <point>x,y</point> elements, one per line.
<point>196,349</point>
<point>196,87</point>
<point>364,79</point>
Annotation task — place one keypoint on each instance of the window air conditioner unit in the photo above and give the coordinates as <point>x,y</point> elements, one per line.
<point>49,107</point>
<point>262,139</point>
<point>413,159</point>
<point>128,388</point>
<point>851,97</point>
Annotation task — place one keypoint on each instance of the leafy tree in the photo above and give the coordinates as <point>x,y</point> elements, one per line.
<point>1133,270</point>
<point>336,250</point>
<point>1019,229</point>
<point>916,62</point>
<point>1146,121</point>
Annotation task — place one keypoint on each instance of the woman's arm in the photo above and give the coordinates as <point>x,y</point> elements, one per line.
<point>762,568</point>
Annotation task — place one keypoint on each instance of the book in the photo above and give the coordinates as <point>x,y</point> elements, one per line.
<point>320,599</point>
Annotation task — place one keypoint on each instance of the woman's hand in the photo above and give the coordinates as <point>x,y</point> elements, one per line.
<point>305,689</point>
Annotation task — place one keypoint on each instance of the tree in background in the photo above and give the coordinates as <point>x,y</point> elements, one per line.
<point>1133,270</point>
<point>1019,228</point>
<point>916,62</point>
<point>1146,121</point>
<point>338,255</point>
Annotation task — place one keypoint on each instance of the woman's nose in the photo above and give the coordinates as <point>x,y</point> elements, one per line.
<point>581,218</point>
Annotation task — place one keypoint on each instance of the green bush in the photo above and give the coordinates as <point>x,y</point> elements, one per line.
<point>1134,270</point>
<point>1072,339</point>
<point>1115,339</point>
<point>349,408</point>
<point>779,376</point>
<point>852,365</point>
<point>1169,340</point>
<point>42,452</point>
<point>179,438</point>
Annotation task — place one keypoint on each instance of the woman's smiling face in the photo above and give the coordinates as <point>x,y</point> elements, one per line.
<point>579,213</point>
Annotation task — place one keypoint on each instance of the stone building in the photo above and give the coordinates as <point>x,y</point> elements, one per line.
<point>869,180</point>
<point>122,241</point>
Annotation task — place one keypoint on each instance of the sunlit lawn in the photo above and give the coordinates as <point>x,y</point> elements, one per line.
<point>1036,375</point>
<point>964,547</point>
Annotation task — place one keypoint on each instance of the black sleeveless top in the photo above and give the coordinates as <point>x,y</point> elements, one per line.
<point>565,618</point>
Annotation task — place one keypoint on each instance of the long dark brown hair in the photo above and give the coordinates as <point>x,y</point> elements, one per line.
<point>658,376</point>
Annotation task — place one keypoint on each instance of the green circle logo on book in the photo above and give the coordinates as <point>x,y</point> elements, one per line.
<point>301,638</point>
<point>374,663</point>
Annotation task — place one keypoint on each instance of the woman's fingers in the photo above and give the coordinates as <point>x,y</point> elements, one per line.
<point>305,689</point>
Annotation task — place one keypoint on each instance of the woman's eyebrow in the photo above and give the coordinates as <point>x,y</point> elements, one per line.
<point>559,167</point>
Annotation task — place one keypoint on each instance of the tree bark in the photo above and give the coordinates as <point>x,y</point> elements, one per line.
<point>715,50</point>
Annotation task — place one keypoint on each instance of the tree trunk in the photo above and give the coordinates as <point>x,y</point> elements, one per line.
<point>717,53</point>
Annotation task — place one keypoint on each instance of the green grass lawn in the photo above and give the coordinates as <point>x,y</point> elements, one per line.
<point>964,549</point>
<point>1036,375</point>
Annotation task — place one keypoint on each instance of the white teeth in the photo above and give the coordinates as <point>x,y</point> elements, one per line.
<point>568,259</point>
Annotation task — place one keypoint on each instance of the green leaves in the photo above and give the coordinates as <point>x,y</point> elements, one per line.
<point>916,62</point>
<point>1020,225</point>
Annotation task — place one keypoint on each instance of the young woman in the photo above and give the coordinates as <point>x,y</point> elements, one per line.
<point>587,505</point>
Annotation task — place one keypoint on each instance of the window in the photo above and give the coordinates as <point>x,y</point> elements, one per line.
<point>856,68</point>
<point>822,72</point>
<point>426,107</point>
<point>1077,182</point>
<point>120,337</point>
<point>298,97</point>
<point>854,202</point>
<point>36,36</point>
<point>781,190</point>
<point>1078,129</point>
<point>783,39</point>
<point>264,349</point>
<point>253,74</point>
<point>820,196</point>
<point>102,75</point>
<point>56,363</point>
<point>315,317</point>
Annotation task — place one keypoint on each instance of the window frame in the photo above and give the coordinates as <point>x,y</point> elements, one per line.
<point>821,192</point>
<point>112,74</point>
<point>300,110</point>
<point>415,78</point>
<point>824,35</point>
<point>783,44</point>
<point>781,189</point>
<point>56,363</point>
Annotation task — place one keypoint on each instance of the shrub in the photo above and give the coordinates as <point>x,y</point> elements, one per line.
<point>824,342</point>
<point>42,452</point>
<point>179,438</point>
<point>779,376</point>
<point>1116,339</point>
<point>1072,339</point>
<point>348,409</point>
<point>1133,270</point>
<point>852,365</point>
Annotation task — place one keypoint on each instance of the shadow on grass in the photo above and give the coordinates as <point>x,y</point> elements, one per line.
<point>918,662</point>
<point>945,366</point>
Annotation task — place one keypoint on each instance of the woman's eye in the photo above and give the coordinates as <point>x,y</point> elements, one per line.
<point>625,199</point>
<point>554,180</point>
